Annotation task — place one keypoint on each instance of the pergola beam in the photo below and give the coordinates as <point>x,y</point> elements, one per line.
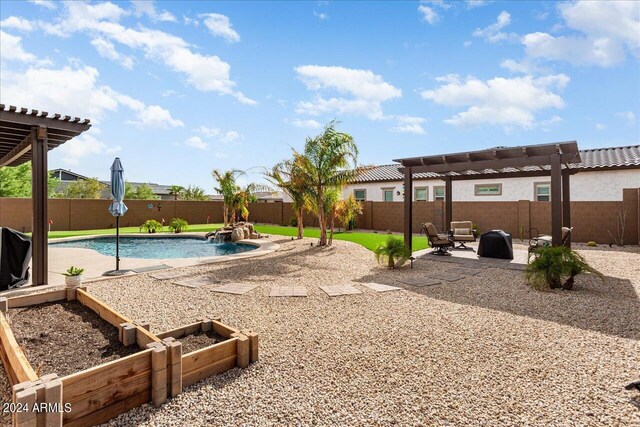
<point>18,151</point>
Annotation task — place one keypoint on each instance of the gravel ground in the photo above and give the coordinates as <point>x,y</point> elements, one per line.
<point>5,396</point>
<point>200,340</point>
<point>65,337</point>
<point>485,350</point>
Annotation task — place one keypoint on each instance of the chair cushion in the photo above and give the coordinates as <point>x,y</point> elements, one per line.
<point>462,231</point>
<point>464,238</point>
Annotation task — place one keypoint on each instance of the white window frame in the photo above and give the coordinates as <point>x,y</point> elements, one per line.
<point>435,192</point>
<point>356,197</point>
<point>537,185</point>
<point>426,194</point>
<point>477,186</point>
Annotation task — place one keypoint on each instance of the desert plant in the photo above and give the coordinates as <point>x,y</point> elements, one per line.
<point>73,271</point>
<point>393,252</point>
<point>151,226</point>
<point>592,244</point>
<point>348,210</point>
<point>178,225</point>
<point>553,263</point>
<point>621,223</point>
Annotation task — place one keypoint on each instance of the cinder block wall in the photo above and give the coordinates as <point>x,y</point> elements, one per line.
<point>591,220</point>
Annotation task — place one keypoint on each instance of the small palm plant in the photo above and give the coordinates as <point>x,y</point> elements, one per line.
<point>73,271</point>
<point>73,276</point>
<point>393,252</point>
<point>151,226</point>
<point>552,264</point>
<point>178,225</point>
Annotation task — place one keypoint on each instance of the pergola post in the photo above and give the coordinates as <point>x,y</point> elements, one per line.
<point>448,203</point>
<point>408,205</point>
<point>566,203</point>
<point>39,178</point>
<point>556,200</point>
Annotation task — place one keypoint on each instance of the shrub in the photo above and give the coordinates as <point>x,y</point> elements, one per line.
<point>178,225</point>
<point>293,222</point>
<point>347,211</point>
<point>592,244</point>
<point>151,226</point>
<point>551,264</point>
<point>475,229</point>
<point>393,252</point>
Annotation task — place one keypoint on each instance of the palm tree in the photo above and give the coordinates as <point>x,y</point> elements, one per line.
<point>227,187</point>
<point>175,191</point>
<point>243,196</point>
<point>194,193</point>
<point>329,160</point>
<point>288,176</point>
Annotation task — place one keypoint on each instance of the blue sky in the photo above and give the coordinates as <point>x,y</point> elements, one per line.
<point>176,89</point>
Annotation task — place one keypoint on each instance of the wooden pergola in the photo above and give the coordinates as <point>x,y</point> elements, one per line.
<point>501,162</point>
<point>28,135</point>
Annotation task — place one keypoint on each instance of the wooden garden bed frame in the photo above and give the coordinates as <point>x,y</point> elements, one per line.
<point>98,394</point>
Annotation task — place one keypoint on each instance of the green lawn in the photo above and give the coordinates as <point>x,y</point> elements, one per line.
<point>368,240</point>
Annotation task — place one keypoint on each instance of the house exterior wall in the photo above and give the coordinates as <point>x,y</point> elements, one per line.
<point>585,186</point>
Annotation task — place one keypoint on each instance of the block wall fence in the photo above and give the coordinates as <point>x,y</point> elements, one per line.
<point>591,220</point>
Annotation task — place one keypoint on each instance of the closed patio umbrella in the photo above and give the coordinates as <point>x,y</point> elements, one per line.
<point>117,209</point>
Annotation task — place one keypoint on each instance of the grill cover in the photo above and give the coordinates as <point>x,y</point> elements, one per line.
<point>15,254</point>
<point>496,244</point>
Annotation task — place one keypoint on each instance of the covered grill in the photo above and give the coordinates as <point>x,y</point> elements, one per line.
<point>15,255</point>
<point>496,244</point>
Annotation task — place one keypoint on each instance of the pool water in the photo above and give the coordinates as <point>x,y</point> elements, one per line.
<point>157,247</point>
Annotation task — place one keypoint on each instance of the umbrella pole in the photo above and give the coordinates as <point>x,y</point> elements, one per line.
<point>118,243</point>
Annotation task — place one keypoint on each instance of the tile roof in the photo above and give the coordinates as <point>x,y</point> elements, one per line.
<point>594,158</point>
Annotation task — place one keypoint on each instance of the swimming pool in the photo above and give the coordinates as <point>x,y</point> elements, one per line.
<point>157,247</point>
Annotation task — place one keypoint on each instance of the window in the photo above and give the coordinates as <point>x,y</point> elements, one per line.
<point>360,195</point>
<point>542,191</point>
<point>388,194</point>
<point>488,189</point>
<point>438,192</point>
<point>421,194</point>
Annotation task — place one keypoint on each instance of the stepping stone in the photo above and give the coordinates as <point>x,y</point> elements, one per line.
<point>379,287</point>
<point>466,271</point>
<point>168,275</point>
<point>196,282</point>
<point>337,290</point>
<point>235,288</point>
<point>449,277</point>
<point>420,281</point>
<point>288,291</point>
<point>151,268</point>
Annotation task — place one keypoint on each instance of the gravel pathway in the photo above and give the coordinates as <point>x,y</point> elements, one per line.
<point>484,350</point>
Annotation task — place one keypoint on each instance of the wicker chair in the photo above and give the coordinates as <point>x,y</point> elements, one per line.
<point>442,243</point>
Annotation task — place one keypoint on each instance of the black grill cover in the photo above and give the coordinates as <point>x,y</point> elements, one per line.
<point>15,254</point>
<point>496,244</point>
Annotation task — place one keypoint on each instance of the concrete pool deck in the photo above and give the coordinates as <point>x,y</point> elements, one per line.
<point>95,263</point>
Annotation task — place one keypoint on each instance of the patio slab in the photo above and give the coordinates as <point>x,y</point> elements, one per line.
<point>466,271</point>
<point>338,290</point>
<point>379,287</point>
<point>168,275</point>
<point>196,282</point>
<point>151,268</point>
<point>449,277</point>
<point>288,291</point>
<point>420,281</point>
<point>235,288</point>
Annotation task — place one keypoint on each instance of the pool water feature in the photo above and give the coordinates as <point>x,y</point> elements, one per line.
<point>157,247</point>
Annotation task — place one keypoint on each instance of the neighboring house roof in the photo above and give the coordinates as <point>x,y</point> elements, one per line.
<point>61,172</point>
<point>592,159</point>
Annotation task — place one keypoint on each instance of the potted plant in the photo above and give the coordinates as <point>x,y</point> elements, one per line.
<point>178,225</point>
<point>475,230</point>
<point>553,263</point>
<point>151,226</point>
<point>393,252</point>
<point>73,276</point>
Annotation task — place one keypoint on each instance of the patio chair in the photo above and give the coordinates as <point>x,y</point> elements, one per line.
<point>462,232</point>
<point>545,240</point>
<point>442,243</point>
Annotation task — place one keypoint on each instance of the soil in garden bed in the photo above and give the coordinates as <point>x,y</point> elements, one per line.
<point>199,340</point>
<point>65,337</point>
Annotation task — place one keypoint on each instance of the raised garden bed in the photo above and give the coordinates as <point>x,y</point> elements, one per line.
<point>93,363</point>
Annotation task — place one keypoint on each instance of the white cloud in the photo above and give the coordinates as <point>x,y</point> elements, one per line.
<point>17,23</point>
<point>49,4</point>
<point>305,124</point>
<point>600,126</point>
<point>548,124</point>
<point>11,49</point>
<point>472,4</point>
<point>321,15</point>
<point>196,142</point>
<point>428,12</point>
<point>148,7</point>
<point>493,33</point>
<point>629,116</point>
<point>230,136</point>
<point>208,132</point>
<point>107,50</point>
<point>219,25</point>
<point>498,101</point>
<point>368,91</point>
<point>605,32</point>
<point>82,146</point>
<point>76,92</point>
<point>525,66</point>
<point>409,124</point>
